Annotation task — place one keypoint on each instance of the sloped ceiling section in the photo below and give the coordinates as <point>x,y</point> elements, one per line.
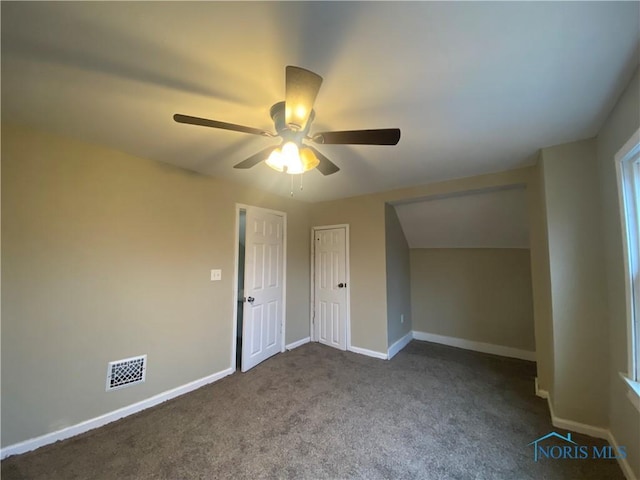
<point>487,219</point>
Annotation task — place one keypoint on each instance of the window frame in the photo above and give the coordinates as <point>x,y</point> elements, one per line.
<point>627,162</point>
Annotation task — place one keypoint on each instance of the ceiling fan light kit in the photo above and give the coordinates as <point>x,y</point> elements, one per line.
<point>292,120</point>
<point>292,160</point>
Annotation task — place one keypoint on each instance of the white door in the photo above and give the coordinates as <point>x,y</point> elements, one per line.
<point>263,287</point>
<point>330,287</point>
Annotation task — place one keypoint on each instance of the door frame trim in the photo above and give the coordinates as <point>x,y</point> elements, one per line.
<point>312,283</point>
<point>236,257</point>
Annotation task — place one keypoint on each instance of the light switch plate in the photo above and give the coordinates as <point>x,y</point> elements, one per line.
<point>216,275</point>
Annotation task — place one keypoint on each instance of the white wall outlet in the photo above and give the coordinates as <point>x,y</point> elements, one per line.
<point>402,318</point>
<point>216,275</point>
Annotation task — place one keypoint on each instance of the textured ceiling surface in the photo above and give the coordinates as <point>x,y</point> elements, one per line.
<point>475,87</point>
<point>495,218</point>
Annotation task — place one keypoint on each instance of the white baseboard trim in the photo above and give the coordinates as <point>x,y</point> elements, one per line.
<point>592,431</point>
<point>399,345</point>
<point>96,422</point>
<point>597,432</point>
<point>297,344</point>
<point>368,353</point>
<point>539,392</point>
<point>623,462</point>
<point>476,346</point>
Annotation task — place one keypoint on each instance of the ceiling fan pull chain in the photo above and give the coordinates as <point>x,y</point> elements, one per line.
<point>301,180</point>
<point>291,185</point>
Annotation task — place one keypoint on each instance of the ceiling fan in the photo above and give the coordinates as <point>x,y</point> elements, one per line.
<point>292,120</point>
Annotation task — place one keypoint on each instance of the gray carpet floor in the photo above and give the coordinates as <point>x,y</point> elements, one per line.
<point>432,412</point>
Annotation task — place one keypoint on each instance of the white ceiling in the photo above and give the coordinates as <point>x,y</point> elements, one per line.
<point>486,219</point>
<point>475,87</point>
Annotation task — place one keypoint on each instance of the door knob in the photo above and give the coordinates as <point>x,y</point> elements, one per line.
<point>250,300</point>
<point>342,285</point>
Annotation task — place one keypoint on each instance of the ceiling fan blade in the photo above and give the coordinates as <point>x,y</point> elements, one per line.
<point>253,160</point>
<point>204,122</point>
<point>301,91</point>
<point>383,136</point>
<point>326,166</point>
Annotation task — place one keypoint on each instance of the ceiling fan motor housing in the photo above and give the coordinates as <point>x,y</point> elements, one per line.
<point>277,113</point>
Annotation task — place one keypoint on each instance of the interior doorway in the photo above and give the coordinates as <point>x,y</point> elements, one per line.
<point>330,286</point>
<point>242,228</point>
<point>259,303</point>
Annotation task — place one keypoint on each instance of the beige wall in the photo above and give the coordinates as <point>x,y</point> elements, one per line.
<point>478,294</point>
<point>366,215</point>
<point>541,279</point>
<point>367,273</point>
<point>538,249</point>
<point>398,278</point>
<point>107,256</point>
<point>577,282</point>
<point>623,121</point>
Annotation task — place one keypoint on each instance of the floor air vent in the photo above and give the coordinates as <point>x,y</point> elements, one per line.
<point>123,373</point>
